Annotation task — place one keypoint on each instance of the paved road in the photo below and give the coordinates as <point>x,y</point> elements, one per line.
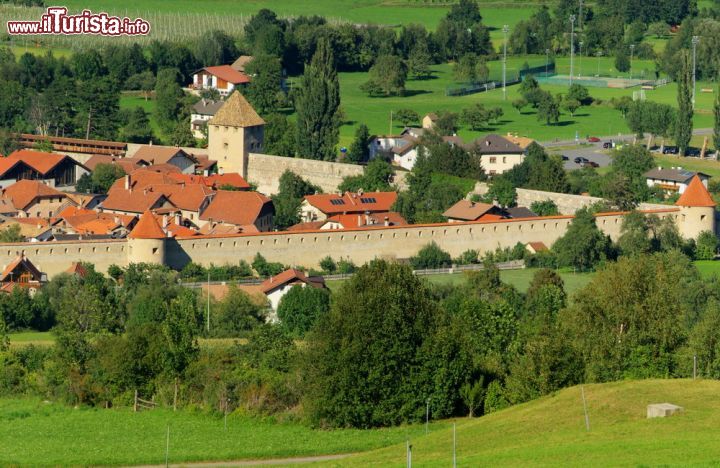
<point>594,151</point>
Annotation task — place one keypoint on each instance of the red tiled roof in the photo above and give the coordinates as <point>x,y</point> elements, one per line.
<point>127,164</point>
<point>156,154</point>
<point>20,261</point>
<point>696,195</point>
<point>147,227</point>
<point>468,210</point>
<point>38,160</point>
<point>332,203</point>
<point>188,197</point>
<point>78,269</point>
<point>133,201</point>
<point>231,207</point>
<point>24,192</point>
<point>288,276</point>
<point>308,226</point>
<point>538,246</point>
<point>228,73</point>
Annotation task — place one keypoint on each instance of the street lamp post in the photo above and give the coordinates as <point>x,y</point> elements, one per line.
<point>572,45</point>
<point>632,50</point>
<point>547,61</point>
<point>695,40</point>
<point>580,61</point>
<point>505,31</point>
<point>599,54</point>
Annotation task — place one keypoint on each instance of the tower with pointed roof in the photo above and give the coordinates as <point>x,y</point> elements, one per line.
<point>234,132</point>
<point>146,242</point>
<point>697,210</point>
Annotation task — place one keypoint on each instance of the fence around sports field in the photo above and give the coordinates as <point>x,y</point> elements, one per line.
<point>512,76</point>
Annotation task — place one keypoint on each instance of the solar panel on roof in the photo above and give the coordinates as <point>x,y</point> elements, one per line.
<point>368,200</point>
<point>337,201</point>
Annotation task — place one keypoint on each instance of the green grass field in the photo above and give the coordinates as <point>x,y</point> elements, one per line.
<point>551,431</point>
<point>708,268</point>
<point>394,12</point>
<point>519,278</point>
<point>33,432</point>
<point>130,101</point>
<point>425,96</point>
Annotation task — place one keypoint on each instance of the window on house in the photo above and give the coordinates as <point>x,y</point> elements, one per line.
<point>493,160</point>
<point>504,159</point>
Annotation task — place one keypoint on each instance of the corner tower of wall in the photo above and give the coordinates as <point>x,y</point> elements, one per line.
<point>697,210</point>
<point>146,242</point>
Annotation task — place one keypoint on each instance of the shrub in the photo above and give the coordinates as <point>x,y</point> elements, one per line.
<point>300,308</point>
<point>431,256</point>
<point>707,246</point>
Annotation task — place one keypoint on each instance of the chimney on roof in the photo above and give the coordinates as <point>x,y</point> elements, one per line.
<point>359,220</point>
<point>150,143</point>
<point>145,191</point>
<point>367,218</point>
<point>178,219</point>
<point>387,221</point>
<point>127,182</point>
<point>116,220</point>
<point>165,221</point>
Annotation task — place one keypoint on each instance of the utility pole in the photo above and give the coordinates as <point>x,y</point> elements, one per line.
<point>695,40</point>
<point>391,117</point>
<point>580,16</point>
<point>505,31</point>
<point>572,46</point>
<point>427,415</point>
<point>632,52</point>
<point>580,62</point>
<point>454,448</point>
<point>207,322</point>
<point>599,54</point>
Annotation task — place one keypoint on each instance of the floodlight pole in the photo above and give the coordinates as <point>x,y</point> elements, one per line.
<point>572,46</point>
<point>505,31</point>
<point>580,61</point>
<point>207,322</point>
<point>695,40</point>
<point>599,54</point>
<point>632,53</point>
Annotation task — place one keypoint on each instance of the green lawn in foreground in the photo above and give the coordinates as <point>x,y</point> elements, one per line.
<point>33,433</point>
<point>551,431</point>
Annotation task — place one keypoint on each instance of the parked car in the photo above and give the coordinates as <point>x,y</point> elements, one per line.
<point>564,158</point>
<point>581,160</point>
<point>670,150</point>
<point>593,139</point>
<point>608,145</point>
<point>590,164</point>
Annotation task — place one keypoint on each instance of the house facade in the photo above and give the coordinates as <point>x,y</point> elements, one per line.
<point>223,78</point>
<point>203,110</point>
<point>673,180</point>
<point>497,154</point>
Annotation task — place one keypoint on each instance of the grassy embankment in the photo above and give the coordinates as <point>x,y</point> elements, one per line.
<point>551,431</point>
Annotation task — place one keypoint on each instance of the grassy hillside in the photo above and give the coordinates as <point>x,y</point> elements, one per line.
<point>551,431</point>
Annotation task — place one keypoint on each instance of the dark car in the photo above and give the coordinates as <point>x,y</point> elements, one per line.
<point>590,164</point>
<point>564,158</point>
<point>670,150</point>
<point>581,160</point>
<point>607,145</point>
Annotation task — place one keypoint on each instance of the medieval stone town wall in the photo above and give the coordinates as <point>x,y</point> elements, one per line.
<point>567,203</point>
<point>308,248</point>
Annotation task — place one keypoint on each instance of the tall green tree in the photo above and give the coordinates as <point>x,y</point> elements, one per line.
<point>684,124</point>
<point>583,245</point>
<point>387,75</point>
<point>262,92</point>
<point>168,97</point>
<point>363,366</point>
<point>292,189</point>
<point>301,308</point>
<point>317,104</point>
<point>359,149</point>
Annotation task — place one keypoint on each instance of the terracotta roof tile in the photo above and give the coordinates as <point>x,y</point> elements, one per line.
<point>156,154</point>
<point>332,203</point>
<point>147,227</point>
<point>241,208</point>
<point>23,262</point>
<point>468,210</point>
<point>24,192</point>
<point>40,161</point>
<point>288,276</point>
<point>216,180</point>
<point>351,221</point>
<point>228,73</point>
<point>696,195</point>
<point>236,112</point>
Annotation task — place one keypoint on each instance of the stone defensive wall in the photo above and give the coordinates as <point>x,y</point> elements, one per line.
<point>308,248</point>
<point>265,171</point>
<point>566,203</point>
